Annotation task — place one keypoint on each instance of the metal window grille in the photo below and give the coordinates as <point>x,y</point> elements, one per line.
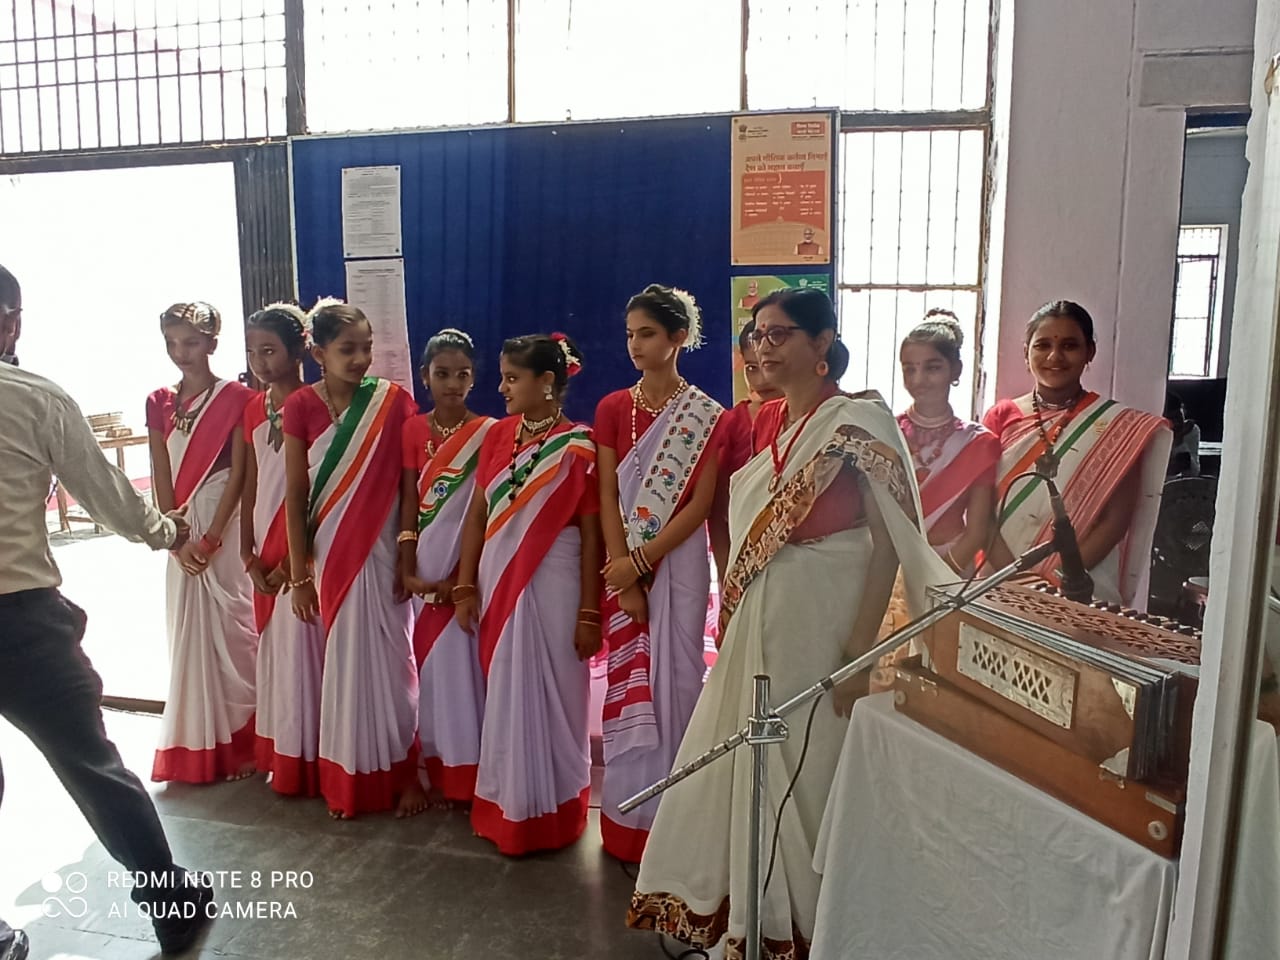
<point>913,78</point>
<point>1197,302</point>
<point>81,75</point>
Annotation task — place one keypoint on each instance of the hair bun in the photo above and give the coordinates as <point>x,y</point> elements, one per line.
<point>943,317</point>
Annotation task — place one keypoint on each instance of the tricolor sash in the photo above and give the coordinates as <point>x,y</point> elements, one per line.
<point>345,486</point>
<point>523,522</point>
<point>445,489</point>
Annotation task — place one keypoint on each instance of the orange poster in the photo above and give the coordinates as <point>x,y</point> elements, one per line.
<point>782,188</point>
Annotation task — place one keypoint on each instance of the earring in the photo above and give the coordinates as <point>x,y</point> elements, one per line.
<point>548,393</point>
<point>955,382</point>
<point>822,368</point>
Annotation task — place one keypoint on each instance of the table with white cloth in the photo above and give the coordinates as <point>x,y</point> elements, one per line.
<point>928,851</point>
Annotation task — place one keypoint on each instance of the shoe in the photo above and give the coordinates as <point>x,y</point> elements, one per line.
<point>177,934</point>
<point>18,948</point>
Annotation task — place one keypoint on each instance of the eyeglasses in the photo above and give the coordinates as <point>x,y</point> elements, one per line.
<point>776,336</point>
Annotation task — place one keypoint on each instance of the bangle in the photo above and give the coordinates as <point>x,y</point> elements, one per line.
<point>590,623</point>
<point>407,536</point>
<point>209,545</point>
<point>463,591</point>
<point>641,562</point>
<point>589,616</point>
<point>295,584</point>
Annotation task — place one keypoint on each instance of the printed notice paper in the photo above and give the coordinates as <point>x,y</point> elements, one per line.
<point>377,288</point>
<point>781,205</point>
<point>371,212</point>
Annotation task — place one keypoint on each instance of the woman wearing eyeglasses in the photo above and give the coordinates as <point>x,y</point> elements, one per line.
<point>820,519</point>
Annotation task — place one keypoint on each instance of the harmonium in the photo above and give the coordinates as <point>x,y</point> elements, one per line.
<point>1091,704</point>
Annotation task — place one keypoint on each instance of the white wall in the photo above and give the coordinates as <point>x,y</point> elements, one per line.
<point>100,254</point>
<point>1090,123</point>
<point>1213,175</point>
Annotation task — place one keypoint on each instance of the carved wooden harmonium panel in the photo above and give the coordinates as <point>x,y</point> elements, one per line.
<point>1098,680</point>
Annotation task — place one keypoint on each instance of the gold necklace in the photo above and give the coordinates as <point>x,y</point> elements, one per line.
<point>443,432</point>
<point>537,426</point>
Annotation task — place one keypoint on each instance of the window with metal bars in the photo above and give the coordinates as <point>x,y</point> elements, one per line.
<point>98,74</point>
<point>913,80</point>
<point>1197,301</point>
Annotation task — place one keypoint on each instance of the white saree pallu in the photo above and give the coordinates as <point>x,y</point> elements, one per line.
<point>290,652</point>
<point>369,692</point>
<point>534,778</point>
<point>207,731</point>
<point>656,668</point>
<point>1101,443</point>
<point>451,684</point>
<point>789,608</point>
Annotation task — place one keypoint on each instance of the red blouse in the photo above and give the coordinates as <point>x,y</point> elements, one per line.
<point>840,506</point>
<point>306,416</point>
<point>1002,416</point>
<point>414,438</point>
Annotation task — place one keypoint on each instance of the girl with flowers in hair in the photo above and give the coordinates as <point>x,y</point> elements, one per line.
<point>197,465</point>
<point>441,450</point>
<point>658,447</point>
<point>529,580</point>
<point>290,652</point>
<point>342,466</point>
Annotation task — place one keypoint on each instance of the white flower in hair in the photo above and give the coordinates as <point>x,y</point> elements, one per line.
<point>569,361</point>
<point>694,315</point>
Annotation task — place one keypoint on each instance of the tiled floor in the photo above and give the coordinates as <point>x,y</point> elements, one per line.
<point>379,888</point>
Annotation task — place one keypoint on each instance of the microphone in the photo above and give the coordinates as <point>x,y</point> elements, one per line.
<point>1076,584</point>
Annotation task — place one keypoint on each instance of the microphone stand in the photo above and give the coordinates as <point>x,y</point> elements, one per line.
<point>766,725</point>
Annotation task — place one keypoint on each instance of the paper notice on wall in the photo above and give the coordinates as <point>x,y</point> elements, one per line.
<point>371,212</point>
<point>781,204</point>
<point>377,288</point>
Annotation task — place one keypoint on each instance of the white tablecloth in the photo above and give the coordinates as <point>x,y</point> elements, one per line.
<point>928,851</point>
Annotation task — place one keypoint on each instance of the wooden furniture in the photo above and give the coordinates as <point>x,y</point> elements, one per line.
<point>65,517</point>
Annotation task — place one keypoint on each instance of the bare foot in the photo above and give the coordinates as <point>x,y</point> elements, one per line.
<point>337,815</point>
<point>412,801</point>
<point>243,772</point>
<point>436,800</point>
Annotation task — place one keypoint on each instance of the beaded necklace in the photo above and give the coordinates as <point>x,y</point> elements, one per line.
<point>517,479</point>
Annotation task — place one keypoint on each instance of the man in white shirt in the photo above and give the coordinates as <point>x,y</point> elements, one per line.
<point>48,688</point>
